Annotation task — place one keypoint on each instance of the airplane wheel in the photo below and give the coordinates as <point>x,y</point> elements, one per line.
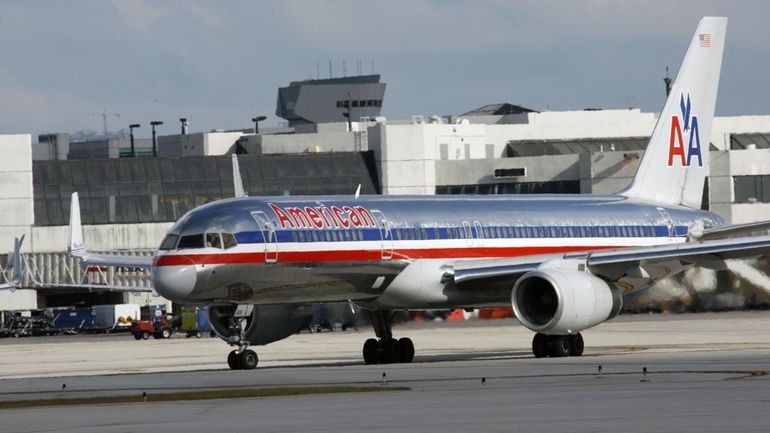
<point>371,351</point>
<point>232,361</point>
<point>406,350</point>
<point>559,346</point>
<point>390,352</point>
<point>248,359</point>
<point>540,345</point>
<point>576,345</point>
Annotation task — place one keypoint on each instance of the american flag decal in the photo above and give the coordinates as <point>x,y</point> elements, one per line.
<point>705,39</point>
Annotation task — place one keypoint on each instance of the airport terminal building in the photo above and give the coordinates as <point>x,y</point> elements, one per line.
<point>129,200</point>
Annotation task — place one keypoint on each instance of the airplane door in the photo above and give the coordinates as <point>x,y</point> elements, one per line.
<point>669,222</point>
<point>386,235</point>
<point>479,233</point>
<point>468,233</point>
<point>268,232</point>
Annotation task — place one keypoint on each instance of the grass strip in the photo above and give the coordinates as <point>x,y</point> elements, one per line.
<point>213,394</point>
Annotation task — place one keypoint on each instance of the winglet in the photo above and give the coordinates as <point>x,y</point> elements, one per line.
<point>75,247</point>
<point>237,182</point>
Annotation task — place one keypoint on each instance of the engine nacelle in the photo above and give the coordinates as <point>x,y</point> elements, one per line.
<point>563,301</point>
<point>266,324</point>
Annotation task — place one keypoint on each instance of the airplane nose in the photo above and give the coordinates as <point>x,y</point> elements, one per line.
<point>174,282</point>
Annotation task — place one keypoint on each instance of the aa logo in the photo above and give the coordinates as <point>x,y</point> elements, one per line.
<point>684,126</point>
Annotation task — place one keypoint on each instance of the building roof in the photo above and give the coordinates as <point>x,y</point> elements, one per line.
<point>500,109</point>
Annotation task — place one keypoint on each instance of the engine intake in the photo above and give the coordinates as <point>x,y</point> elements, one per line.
<point>266,324</point>
<point>563,301</point>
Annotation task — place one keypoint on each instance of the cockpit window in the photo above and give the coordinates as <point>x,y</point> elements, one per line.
<point>191,241</point>
<point>228,240</point>
<point>213,241</point>
<point>169,243</point>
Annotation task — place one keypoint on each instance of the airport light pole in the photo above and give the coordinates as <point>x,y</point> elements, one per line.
<point>131,136</point>
<point>155,123</point>
<point>256,121</point>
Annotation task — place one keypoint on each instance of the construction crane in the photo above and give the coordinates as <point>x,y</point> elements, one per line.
<point>104,114</point>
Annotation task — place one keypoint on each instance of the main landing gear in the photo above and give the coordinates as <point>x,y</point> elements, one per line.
<point>242,358</point>
<point>557,346</point>
<point>386,350</point>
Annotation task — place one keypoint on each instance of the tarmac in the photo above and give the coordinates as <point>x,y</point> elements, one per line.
<point>705,372</point>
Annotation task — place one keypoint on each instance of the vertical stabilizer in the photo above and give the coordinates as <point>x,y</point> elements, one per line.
<point>675,164</point>
<point>237,182</point>
<point>75,246</point>
<point>16,261</point>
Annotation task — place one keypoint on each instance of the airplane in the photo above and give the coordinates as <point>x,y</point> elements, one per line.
<point>14,265</point>
<point>562,261</point>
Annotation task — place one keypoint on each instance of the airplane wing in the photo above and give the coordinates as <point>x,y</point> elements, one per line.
<point>712,254</point>
<point>733,230</point>
<point>98,288</point>
<point>76,247</point>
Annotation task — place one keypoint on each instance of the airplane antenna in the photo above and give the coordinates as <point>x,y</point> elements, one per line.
<point>358,191</point>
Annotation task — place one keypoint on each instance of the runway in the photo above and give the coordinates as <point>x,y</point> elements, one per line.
<point>704,373</point>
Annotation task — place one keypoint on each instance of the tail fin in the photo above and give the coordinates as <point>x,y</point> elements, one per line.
<point>675,164</point>
<point>237,182</point>
<point>75,246</point>
<point>16,261</point>
<point>15,266</point>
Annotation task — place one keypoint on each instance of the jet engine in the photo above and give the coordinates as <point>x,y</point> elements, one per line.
<point>265,324</point>
<point>563,301</point>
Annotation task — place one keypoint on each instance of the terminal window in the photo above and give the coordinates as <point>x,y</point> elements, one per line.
<point>751,189</point>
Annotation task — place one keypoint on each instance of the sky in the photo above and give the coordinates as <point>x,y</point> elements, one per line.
<point>220,63</point>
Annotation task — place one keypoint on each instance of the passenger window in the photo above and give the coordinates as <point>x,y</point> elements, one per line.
<point>169,243</point>
<point>228,240</point>
<point>191,241</point>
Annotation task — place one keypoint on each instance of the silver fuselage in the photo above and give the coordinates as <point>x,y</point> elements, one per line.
<point>324,249</point>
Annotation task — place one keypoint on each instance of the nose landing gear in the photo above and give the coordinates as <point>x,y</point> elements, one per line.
<point>242,358</point>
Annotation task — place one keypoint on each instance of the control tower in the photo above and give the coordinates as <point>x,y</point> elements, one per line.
<point>329,100</point>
